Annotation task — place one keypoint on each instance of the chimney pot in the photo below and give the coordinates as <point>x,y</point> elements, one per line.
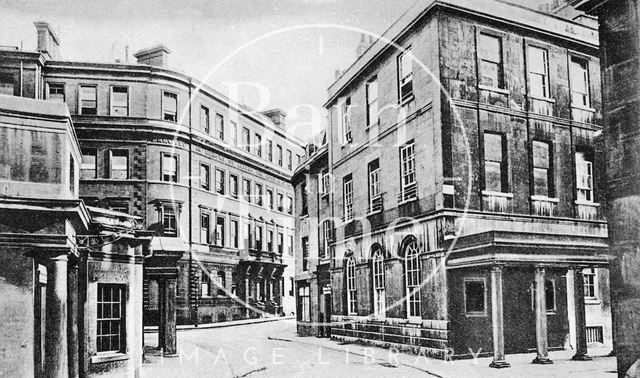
<point>154,56</point>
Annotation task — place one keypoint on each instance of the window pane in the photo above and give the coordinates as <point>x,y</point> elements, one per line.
<point>550,293</point>
<point>170,102</point>
<point>120,96</point>
<point>537,60</point>
<point>540,154</point>
<point>493,176</point>
<point>474,296</point>
<point>489,48</point>
<point>88,165</point>
<point>541,182</point>
<point>493,147</point>
<point>489,74</point>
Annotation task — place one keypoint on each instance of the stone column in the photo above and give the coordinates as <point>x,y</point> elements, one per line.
<point>581,326</point>
<point>168,321</point>
<point>72,324</point>
<point>542,347</point>
<point>55,349</point>
<point>497,319</point>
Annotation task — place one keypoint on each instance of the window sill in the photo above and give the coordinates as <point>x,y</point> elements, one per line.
<point>545,199</point>
<point>105,357</point>
<point>493,89</point>
<point>476,314</point>
<point>374,212</point>
<point>585,108</point>
<point>369,127</point>
<point>406,100</point>
<point>545,99</point>
<point>415,320</point>
<point>496,194</point>
<point>586,203</point>
<point>592,301</point>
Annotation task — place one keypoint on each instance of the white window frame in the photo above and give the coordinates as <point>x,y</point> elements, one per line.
<point>165,170</point>
<point>347,136</point>
<point>326,232</point>
<point>405,75</point>
<point>348,199</point>
<point>118,153</point>
<point>205,117</point>
<point>219,127</point>
<point>408,184</point>
<point>374,186</point>
<point>205,231</point>
<point>546,90</point>
<point>584,178</point>
<point>412,279</point>
<point>81,99</point>
<point>577,72</point>
<point>379,297</point>
<point>205,180</point>
<point>590,278</point>
<point>487,59</point>
<point>165,112</point>
<point>372,101</point>
<point>352,292</point>
<point>326,183</point>
<point>113,107</point>
<point>303,293</point>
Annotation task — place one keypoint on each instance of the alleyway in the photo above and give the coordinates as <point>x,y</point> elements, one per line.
<point>274,350</point>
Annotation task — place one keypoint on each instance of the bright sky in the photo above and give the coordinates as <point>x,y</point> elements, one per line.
<point>294,66</point>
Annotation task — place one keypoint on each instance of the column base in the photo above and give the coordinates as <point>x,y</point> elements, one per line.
<point>542,361</point>
<point>499,364</point>
<point>582,357</point>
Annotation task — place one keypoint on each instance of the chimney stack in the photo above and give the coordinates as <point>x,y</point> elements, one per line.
<point>277,116</point>
<point>154,56</point>
<point>48,41</point>
<point>365,42</point>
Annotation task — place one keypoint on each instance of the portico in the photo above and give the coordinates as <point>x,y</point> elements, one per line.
<point>537,265</point>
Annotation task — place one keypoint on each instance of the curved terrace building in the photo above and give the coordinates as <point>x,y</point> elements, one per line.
<point>211,178</point>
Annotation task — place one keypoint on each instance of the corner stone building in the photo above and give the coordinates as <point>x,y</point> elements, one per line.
<point>620,54</point>
<point>467,185</point>
<point>209,178</point>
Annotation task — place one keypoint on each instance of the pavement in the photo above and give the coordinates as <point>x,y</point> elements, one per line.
<point>273,349</point>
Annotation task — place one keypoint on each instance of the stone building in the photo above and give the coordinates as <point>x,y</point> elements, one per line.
<point>312,182</point>
<point>464,155</point>
<point>70,275</point>
<point>209,177</point>
<point>620,51</point>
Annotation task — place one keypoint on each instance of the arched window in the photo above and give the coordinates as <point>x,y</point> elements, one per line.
<point>352,294</point>
<point>377,269</point>
<point>412,277</point>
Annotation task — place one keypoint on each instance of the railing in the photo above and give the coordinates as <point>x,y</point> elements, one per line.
<point>581,114</point>
<point>408,194</point>
<point>375,205</point>
<point>543,206</point>
<point>542,106</point>
<point>498,202</point>
<point>588,210</point>
<point>594,334</point>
